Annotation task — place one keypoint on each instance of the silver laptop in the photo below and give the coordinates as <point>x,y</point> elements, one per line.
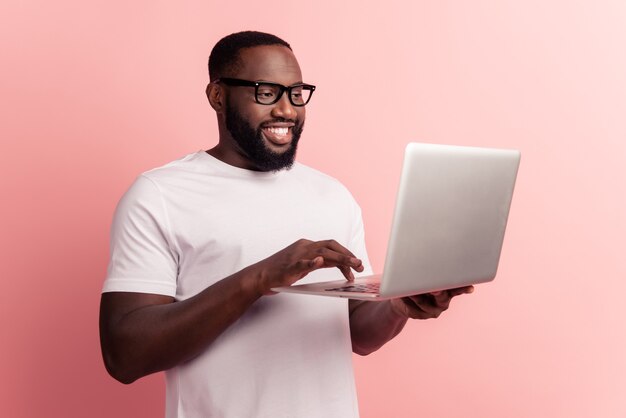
<point>448,226</point>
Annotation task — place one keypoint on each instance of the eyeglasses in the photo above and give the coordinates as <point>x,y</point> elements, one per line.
<point>266,93</point>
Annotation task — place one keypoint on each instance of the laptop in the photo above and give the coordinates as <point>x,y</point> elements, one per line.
<point>448,226</point>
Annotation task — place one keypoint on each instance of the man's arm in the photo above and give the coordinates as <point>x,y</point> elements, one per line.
<point>145,333</point>
<point>372,324</point>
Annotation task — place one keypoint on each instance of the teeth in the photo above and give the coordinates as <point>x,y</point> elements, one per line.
<point>278,131</point>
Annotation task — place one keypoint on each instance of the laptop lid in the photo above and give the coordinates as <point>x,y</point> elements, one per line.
<point>450,217</point>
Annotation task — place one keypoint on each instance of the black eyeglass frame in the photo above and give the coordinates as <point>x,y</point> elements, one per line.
<point>281,89</point>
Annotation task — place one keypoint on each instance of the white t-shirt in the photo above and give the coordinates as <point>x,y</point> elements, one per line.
<point>184,226</point>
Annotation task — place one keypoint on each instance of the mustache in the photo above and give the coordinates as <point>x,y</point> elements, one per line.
<point>295,121</point>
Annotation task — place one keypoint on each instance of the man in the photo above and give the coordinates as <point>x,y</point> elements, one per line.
<point>197,245</point>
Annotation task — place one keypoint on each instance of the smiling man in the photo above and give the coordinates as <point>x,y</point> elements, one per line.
<point>198,244</point>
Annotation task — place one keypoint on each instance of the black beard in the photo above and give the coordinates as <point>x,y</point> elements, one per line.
<point>250,141</point>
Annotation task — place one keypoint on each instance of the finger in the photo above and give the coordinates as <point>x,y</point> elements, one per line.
<point>440,299</point>
<point>345,270</point>
<point>461,290</point>
<point>442,295</point>
<point>350,259</point>
<point>305,266</point>
<point>347,273</point>
<point>335,259</point>
<point>427,303</point>
<point>439,302</point>
<point>316,263</point>
<point>335,246</point>
<point>415,310</point>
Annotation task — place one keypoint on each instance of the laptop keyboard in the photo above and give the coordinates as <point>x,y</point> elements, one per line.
<point>357,288</point>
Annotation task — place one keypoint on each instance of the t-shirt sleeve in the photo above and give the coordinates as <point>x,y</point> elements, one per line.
<point>142,255</point>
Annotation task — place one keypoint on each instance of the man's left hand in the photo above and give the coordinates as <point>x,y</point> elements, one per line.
<point>427,305</point>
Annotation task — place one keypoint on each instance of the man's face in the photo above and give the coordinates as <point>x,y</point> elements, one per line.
<point>266,136</point>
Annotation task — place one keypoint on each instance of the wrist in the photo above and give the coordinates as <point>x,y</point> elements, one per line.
<point>255,281</point>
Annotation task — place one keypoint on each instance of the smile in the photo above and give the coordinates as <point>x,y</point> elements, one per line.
<point>278,131</point>
<point>278,135</point>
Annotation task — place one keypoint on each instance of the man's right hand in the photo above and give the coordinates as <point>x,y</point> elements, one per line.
<point>299,259</point>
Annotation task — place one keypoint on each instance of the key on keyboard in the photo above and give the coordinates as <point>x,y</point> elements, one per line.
<point>358,288</point>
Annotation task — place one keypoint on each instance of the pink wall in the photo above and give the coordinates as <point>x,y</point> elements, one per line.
<point>92,93</point>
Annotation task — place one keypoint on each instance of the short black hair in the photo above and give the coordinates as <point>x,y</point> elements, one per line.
<point>224,57</point>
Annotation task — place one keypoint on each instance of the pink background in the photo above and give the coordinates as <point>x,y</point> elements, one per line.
<point>93,93</point>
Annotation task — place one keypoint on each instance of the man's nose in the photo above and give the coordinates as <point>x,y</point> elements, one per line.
<point>283,108</point>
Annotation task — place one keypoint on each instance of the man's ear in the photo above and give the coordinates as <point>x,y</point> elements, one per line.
<point>215,94</point>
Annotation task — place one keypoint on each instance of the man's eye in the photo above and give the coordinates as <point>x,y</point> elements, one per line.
<point>266,93</point>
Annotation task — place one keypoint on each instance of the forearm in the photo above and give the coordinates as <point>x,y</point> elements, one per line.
<point>162,335</point>
<point>372,324</point>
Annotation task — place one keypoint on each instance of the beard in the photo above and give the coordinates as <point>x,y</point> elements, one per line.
<point>251,142</point>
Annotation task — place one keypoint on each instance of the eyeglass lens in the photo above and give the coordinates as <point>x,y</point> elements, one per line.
<point>270,93</point>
